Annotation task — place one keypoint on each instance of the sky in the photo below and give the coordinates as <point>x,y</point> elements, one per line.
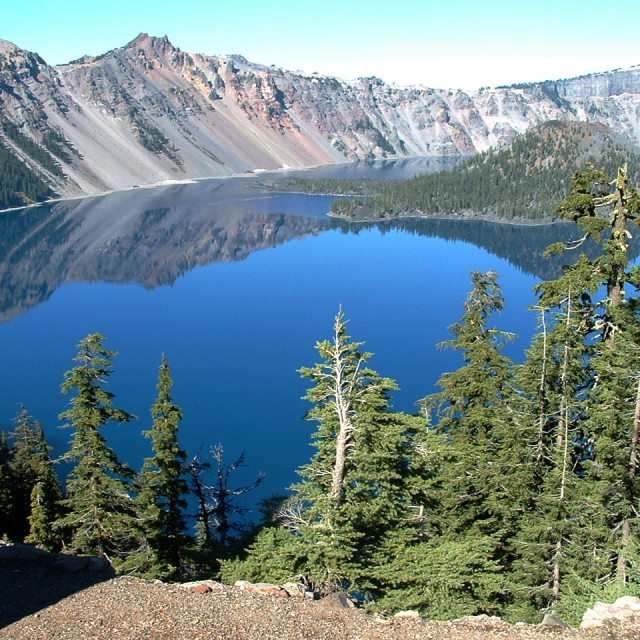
<point>464,44</point>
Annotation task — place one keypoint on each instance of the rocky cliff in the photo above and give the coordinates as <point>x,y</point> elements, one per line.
<point>148,112</point>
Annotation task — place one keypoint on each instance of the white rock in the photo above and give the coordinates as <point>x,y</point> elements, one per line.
<point>407,614</point>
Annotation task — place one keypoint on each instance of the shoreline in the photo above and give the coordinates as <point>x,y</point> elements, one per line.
<point>516,222</point>
<point>251,173</point>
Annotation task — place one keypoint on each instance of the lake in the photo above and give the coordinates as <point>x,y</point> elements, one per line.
<point>236,285</point>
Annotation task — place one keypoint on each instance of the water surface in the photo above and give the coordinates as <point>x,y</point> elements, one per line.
<point>236,286</point>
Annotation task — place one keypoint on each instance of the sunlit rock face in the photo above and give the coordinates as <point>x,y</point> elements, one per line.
<point>148,112</point>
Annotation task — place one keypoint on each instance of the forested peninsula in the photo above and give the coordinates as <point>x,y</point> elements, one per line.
<point>513,491</point>
<point>522,182</point>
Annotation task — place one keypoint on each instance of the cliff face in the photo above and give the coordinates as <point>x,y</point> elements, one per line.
<point>149,112</point>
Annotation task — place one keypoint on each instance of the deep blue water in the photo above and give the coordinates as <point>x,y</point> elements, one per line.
<point>237,322</point>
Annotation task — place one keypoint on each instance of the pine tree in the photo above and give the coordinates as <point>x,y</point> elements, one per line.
<point>355,490</point>
<point>100,517</point>
<point>472,410</point>
<point>31,467</point>
<point>614,397</point>
<point>584,404</point>
<point>478,488</point>
<point>162,489</point>
<point>552,416</point>
<point>6,493</point>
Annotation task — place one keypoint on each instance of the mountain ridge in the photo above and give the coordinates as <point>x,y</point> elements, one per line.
<point>148,112</point>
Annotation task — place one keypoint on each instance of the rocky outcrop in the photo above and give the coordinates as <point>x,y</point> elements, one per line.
<point>623,610</point>
<point>148,112</point>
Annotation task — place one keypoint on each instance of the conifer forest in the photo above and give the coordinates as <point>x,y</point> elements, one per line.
<point>513,490</point>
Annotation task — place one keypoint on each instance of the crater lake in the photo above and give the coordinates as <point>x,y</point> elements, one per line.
<point>235,285</point>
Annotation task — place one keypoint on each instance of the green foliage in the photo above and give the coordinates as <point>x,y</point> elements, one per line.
<point>6,493</point>
<point>20,185</point>
<point>33,483</point>
<point>162,489</point>
<point>443,579</point>
<point>100,517</point>
<point>354,491</point>
<point>523,181</point>
<point>153,139</point>
<point>32,149</point>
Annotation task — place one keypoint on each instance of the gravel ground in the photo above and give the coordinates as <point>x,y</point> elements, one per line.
<point>42,604</point>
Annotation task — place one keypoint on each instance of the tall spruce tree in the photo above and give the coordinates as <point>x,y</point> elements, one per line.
<point>551,414</point>
<point>163,489</point>
<point>472,410</point>
<point>587,445</point>
<point>6,493</point>
<point>32,473</point>
<point>606,214</point>
<point>479,488</point>
<point>354,491</point>
<point>100,517</point>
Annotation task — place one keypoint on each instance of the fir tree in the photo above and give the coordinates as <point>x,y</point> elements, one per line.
<point>354,491</point>
<point>6,493</point>
<point>480,484</point>
<point>472,411</point>
<point>613,399</point>
<point>31,467</point>
<point>100,517</point>
<point>162,489</point>
<point>552,417</point>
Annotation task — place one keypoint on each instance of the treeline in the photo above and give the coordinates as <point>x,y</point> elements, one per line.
<point>138,521</point>
<point>514,490</point>
<point>519,182</point>
<point>20,185</point>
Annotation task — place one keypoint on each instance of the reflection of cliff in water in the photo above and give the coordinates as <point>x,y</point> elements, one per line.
<point>153,236</point>
<point>150,237</point>
<point>521,245</point>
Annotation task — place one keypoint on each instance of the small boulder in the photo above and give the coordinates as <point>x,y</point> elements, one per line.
<point>297,590</point>
<point>622,609</point>
<point>408,614</point>
<point>337,600</point>
<point>552,621</point>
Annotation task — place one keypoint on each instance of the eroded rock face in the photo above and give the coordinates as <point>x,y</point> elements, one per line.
<point>148,112</point>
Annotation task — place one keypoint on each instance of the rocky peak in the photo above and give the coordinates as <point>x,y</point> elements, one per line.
<point>148,112</point>
<point>152,45</point>
<point>6,46</point>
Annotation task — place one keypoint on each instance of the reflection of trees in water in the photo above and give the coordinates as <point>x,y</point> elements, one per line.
<point>153,237</point>
<point>521,245</point>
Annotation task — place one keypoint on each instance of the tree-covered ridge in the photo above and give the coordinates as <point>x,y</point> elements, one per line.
<point>523,181</point>
<point>20,185</point>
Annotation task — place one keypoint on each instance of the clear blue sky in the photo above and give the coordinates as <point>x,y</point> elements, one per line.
<point>445,43</point>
